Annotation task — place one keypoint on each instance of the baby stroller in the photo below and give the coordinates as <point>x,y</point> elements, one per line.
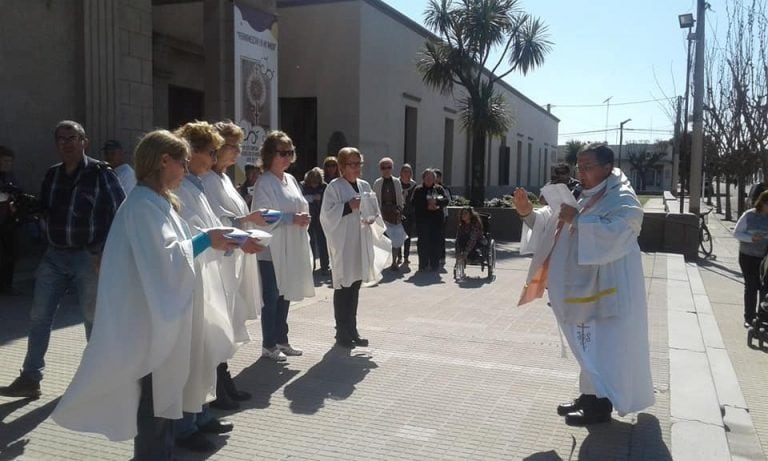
<point>759,328</point>
<point>483,255</point>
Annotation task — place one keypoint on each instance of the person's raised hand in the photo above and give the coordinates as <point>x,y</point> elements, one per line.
<point>523,205</point>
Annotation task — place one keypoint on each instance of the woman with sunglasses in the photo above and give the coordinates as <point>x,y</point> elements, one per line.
<point>286,265</point>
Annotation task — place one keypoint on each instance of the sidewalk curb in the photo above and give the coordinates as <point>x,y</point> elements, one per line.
<point>710,418</point>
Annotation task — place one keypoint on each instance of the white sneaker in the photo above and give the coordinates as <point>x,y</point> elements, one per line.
<point>289,351</point>
<point>273,354</point>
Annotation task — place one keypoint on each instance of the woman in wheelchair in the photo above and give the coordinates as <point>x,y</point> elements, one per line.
<point>469,236</point>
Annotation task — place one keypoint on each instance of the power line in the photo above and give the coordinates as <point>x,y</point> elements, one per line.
<point>606,130</point>
<point>614,103</point>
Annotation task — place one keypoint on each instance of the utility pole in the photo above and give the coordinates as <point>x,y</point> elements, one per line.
<point>697,147</point>
<point>676,147</point>
<point>621,138</point>
<point>607,103</point>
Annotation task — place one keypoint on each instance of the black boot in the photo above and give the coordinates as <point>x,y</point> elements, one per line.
<point>229,386</point>
<point>582,401</point>
<point>599,412</point>
<point>223,400</point>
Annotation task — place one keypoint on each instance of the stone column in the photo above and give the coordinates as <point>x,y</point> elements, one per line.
<point>118,70</point>
<point>218,45</point>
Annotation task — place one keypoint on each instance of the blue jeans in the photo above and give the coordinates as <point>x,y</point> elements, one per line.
<point>59,271</point>
<point>154,439</point>
<point>190,422</point>
<point>274,313</point>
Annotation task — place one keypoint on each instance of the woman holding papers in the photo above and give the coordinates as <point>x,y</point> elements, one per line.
<point>240,272</point>
<point>356,242</point>
<point>286,265</point>
<point>132,377</point>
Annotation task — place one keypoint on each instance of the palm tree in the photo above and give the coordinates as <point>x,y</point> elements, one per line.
<point>469,31</point>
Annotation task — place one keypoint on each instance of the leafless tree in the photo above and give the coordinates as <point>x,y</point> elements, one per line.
<point>735,102</point>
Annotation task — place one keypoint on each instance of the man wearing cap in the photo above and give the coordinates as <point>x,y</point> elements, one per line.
<point>79,196</point>
<point>115,156</point>
<point>561,174</point>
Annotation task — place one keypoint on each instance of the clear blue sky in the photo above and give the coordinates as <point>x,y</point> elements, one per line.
<point>630,51</point>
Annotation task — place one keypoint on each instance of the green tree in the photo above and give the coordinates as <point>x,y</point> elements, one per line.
<point>646,159</point>
<point>572,149</point>
<point>470,31</point>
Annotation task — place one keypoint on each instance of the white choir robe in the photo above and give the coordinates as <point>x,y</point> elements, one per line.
<point>142,324</point>
<point>212,336</point>
<point>358,251</point>
<point>289,245</point>
<point>597,291</point>
<point>240,271</point>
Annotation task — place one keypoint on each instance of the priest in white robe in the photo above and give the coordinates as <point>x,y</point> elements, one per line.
<point>358,249</point>
<point>134,370</point>
<point>588,259</point>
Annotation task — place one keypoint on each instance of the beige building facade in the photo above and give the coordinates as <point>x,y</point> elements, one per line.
<point>346,74</point>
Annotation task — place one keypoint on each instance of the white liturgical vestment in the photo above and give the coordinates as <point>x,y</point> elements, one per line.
<point>289,246</point>
<point>213,339</point>
<point>142,325</point>
<point>240,271</point>
<point>358,251</point>
<point>597,290</point>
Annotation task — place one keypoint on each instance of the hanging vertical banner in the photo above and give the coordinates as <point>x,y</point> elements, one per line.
<point>255,77</point>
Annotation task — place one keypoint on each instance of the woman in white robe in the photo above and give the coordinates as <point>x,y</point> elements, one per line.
<point>133,372</point>
<point>589,260</point>
<point>213,327</point>
<point>240,271</point>
<point>358,248</point>
<point>286,265</point>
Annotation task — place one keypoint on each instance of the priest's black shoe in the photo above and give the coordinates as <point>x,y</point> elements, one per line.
<point>362,342</point>
<point>196,442</point>
<point>580,402</point>
<point>599,412</point>
<point>214,426</point>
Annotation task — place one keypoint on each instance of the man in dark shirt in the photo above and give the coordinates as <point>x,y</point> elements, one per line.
<point>561,174</point>
<point>79,196</point>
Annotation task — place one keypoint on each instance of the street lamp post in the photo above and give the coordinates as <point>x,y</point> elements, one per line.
<point>697,136</point>
<point>621,137</point>
<point>686,22</point>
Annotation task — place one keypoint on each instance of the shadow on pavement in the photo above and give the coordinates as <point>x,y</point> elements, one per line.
<point>14,313</point>
<point>617,440</point>
<point>422,279</point>
<point>10,432</point>
<point>334,377</point>
<point>721,269</point>
<point>262,379</point>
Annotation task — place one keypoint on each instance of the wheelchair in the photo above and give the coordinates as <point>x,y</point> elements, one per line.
<point>483,255</point>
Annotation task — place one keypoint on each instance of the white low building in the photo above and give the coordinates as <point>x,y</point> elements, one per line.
<point>353,63</point>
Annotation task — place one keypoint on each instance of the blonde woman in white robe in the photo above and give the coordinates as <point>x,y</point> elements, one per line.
<point>131,380</point>
<point>285,265</point>
<point>213,328</point>
<point>240,271</point>
<point>358,248</point>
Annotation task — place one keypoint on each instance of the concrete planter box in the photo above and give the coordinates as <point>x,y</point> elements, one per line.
<point>661,232</point>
